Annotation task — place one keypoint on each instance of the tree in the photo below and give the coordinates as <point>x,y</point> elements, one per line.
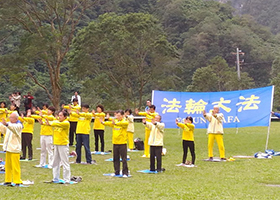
<point>218,76</point>
<point>125,52</point>
<point>49,27</point>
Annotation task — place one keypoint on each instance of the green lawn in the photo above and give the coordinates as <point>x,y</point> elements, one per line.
<point>241,179</point>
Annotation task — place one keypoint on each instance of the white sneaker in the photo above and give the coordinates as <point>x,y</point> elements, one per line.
<point>124,176</point>
<point>144,156</point>
<point>181,164</point>
<point>102,153</point>
<point>38,166</point>
<point>190,165</point>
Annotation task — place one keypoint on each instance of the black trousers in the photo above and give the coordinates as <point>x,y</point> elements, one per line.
<point>120,151</point>
<point>155,151</point>
<point>188,144</point>
<point>72,132</point>
<point>26,139</point>
<point>99,134</point>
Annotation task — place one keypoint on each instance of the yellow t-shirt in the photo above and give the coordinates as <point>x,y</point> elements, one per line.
<point>44,112</point>
<point>97,124</point>
<point>83,126</point>
<point>45,129</point>
<point>60,132</point>
<point>72,117</point>
<point>28,124</point>
<point>149,116</point>
<point>187,131</point>
<point>3,113</point>
<point>119,131</point>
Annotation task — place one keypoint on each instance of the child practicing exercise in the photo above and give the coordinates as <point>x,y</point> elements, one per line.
<point>188,140</point>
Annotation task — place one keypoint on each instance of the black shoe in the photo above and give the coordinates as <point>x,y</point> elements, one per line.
<point>210,159</point>
<point>161,170</point>
<point>22,158</point>
<point>29,158</point>
<point>17,185</point>
<point>223,159</point>
<point>7,184</point>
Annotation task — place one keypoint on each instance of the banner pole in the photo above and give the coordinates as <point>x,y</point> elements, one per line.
<point>268,129</point>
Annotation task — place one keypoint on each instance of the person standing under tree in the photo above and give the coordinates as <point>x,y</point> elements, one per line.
<point>155,142</point>
<point>28,101</point>
<point>12,147</point>
<point>78,97</point>
<point>215,132</point>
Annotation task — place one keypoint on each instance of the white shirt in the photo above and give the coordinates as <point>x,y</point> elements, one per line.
<point>79,99</point>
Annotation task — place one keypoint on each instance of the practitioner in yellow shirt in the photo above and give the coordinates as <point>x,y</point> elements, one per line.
<point>73,120</point>
<point>46,137</point>
<point>27,135</point>
<point>119,141</point>
<point>188,140</point>
<point>150,115</point>
<point>99,128</point>
<point>44,111</point>
<point>130,129</point>
<point>82,132</point>
<point>3,114</point>
<point>61,148</point>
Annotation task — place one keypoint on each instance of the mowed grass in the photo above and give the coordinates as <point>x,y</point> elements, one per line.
<point>240,179</point>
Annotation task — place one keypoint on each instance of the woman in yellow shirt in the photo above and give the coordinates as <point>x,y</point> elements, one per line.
<point>98,127</point>
<point>188,140</point>
<point>27,135</point>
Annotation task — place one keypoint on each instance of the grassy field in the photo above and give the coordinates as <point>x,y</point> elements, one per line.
<point>240,179</point>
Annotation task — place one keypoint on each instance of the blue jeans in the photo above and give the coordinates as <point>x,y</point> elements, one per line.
<point>83,139</point>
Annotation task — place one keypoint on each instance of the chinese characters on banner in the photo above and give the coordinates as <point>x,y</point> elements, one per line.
<point>240,108</point>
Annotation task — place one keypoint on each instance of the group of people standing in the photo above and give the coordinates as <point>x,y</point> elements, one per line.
<point>73,122</point>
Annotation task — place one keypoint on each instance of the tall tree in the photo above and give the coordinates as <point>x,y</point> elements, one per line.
<point>49,27</point>
<point>124,52</point>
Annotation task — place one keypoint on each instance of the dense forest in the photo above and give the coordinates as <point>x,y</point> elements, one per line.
<point>116,52</point>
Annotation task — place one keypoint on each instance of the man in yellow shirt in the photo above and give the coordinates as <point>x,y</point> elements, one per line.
<point>12,147</point>
<point>46,137</point>
<point>119,141</point>
<point>150,115</point>
<point>73,120</point>
<point>188,140</point>
<point>99,128</point>
<point>27,135</point>
<point>61,148</point>
<point>82,132</point>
